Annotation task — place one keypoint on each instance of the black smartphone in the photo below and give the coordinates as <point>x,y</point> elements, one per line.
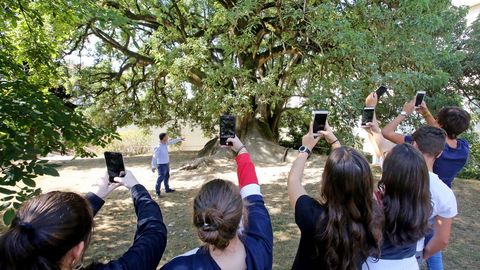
<point>419,98</point>
<point>319,120</point>
<point>367,116</point>
<point>115,166</point>
<point>380,91</point>
<point>227,128</point>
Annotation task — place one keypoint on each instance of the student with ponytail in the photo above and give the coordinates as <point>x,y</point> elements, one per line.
<point>231,221</point>
<point>52,231</point>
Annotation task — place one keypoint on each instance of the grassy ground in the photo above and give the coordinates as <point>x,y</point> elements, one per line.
<point>115,223</point>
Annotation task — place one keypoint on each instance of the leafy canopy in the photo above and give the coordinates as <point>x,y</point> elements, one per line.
<point>33,122</point>
<point>166,62</point>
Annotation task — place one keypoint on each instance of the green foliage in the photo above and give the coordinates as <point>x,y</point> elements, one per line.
<point>468,81</point>
<point>33,122</point>
<point>472,169</point>
<point>168,62</point>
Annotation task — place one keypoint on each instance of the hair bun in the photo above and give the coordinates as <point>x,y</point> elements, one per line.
<point>27,228</point>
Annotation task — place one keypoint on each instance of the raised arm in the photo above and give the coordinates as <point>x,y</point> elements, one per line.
<point>151,234</point>
<point>259,225</point>
<point>423,110</point>
<point>389,130</point>
<point>176,140</point>
<point>100,191</point>
<point>294,183</point>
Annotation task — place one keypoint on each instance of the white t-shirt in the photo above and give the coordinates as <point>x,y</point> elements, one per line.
<point>443,200</point>
<point>444,203</point>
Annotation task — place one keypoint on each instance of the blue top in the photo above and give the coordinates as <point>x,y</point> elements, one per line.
<point>452,160</point>
<point>257,238</point>
<point>150,237</point>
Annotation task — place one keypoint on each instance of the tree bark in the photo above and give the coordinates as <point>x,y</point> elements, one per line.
<point>259,140</point>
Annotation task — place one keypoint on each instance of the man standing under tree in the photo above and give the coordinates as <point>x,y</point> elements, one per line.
<point>161,160</point>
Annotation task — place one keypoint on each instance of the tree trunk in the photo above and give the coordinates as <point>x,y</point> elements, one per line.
<point>258,139</point>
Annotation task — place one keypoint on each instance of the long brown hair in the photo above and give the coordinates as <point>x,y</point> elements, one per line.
<point>217,211</point>
<point>406,198</point>
<point>353,220</point>
<point>44,229</point>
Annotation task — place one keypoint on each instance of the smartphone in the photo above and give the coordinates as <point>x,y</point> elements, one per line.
<point>319,120</point>
<point>419,98</point>
<point>227,128</point>
<point>115,166</point>
<point>380,91</point>
<point>367,116</point>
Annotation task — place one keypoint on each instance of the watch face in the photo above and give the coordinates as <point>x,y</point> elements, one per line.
<point>302,148</point>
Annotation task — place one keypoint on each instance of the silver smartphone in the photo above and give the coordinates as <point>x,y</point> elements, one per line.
<point>367,115</point>
<point>419,98</point>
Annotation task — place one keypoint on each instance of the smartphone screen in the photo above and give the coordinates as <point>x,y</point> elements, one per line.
<point>319,121</point>
<point>114,161</point>
<point>380,91</point>
<point>367,116</point>
<point>419,98</point>
<point>227,128</point>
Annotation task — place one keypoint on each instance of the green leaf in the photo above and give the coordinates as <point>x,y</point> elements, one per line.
<point>6,191</point>
<point>8,216</point>
<point>29,182</point>
<point>51,171</point>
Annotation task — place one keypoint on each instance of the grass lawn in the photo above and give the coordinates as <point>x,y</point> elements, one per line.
<point>115,223</point>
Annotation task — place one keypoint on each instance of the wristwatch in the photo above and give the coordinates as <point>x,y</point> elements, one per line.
<point>304,149</point>
<point>404,113</point>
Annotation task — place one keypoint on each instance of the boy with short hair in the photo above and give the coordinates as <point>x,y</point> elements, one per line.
<point>430,141</point>
<point>454,121</point>
<point>161,162</point>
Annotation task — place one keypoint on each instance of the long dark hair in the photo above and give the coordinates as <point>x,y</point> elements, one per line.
<point>406,198</point>
<point>353,218</point>
<point>217,211</point>
<point>44,229</point>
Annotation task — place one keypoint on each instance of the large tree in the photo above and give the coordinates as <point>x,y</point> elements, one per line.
<point>171,62</point>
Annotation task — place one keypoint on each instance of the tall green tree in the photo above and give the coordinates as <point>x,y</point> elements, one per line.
<point>170,62</point>
<point>33,121</point>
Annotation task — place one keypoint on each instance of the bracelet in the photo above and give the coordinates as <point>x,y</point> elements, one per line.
<point>334,142</point>
<point>240,149</point>
<point>426,114</point>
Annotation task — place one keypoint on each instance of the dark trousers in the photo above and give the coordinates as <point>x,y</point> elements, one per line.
<point>163,176</point>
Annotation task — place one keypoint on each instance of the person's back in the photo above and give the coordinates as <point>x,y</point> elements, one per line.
<point>405,195</point>
<point>52,231</point>
<point>343,228</point>
<point>218,213</point>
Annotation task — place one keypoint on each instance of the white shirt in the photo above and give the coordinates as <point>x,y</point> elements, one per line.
<point>444,203</point>
<point>160,153</point>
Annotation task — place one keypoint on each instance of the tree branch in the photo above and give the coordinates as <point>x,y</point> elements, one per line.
<point>112,42</point>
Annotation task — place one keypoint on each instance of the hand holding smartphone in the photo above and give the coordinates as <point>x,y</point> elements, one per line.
<point>319,121</point>
<point>227,128</point>
<point>115,166</point>
<point>367,115</point>
<point>419,98</point>
<point>380,91</point>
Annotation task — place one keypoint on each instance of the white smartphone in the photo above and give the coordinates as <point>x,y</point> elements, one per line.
<point>367,116</point>
<point>419,98</point>
<point>319,120</point>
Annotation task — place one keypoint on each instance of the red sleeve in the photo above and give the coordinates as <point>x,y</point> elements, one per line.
<point>245,170</point>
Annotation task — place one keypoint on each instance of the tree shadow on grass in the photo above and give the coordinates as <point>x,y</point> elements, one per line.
<point>116,221</point>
